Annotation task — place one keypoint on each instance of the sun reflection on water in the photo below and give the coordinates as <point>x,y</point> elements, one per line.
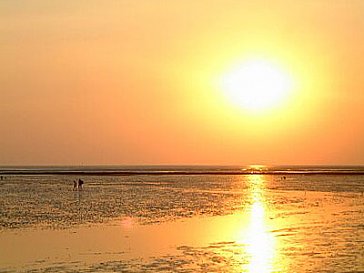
<point>260,243</point>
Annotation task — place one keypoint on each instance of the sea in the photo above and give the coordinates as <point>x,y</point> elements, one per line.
<point>183,170</point>
<point>252,218</point>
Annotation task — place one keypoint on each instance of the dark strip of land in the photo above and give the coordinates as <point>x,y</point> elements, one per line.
<point>134,173</point>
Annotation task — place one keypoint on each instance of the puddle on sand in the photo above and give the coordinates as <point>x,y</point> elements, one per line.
<point>121,239</point>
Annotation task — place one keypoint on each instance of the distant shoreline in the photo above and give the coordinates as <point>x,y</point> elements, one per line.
<point>170,173</point>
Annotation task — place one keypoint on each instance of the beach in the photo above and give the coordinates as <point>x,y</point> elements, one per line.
<point>182,223</point>
<point>182,136</point>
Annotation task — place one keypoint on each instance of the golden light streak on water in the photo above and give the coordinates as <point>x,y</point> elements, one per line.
<point>260,243</point>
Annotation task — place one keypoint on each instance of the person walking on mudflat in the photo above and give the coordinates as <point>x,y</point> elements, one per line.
<point>80,184</point>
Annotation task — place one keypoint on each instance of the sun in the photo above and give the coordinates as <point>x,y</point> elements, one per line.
<point>257,85</point>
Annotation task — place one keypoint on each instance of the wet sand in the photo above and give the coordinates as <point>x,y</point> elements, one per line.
<point>182,224</point>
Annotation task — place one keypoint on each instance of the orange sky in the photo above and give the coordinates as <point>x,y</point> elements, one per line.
<point>135,82</point>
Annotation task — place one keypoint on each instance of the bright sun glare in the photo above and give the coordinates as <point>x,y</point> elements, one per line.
<point>257,85</point>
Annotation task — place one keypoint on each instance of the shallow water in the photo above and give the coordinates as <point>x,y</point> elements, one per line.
<point>208,223</point>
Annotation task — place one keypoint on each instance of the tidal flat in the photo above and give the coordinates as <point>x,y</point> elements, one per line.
<point>177,223</point>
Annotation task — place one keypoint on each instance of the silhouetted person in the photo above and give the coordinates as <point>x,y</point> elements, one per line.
<point>80,184</point>
<point>75,185</point>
